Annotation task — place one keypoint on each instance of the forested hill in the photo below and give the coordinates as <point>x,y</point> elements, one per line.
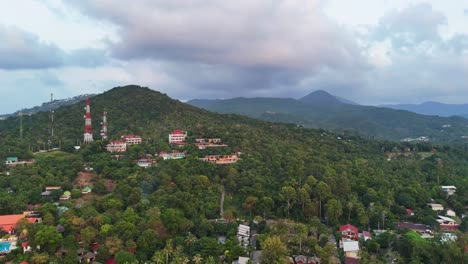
<point>322,110</point>
<point>313,179</point>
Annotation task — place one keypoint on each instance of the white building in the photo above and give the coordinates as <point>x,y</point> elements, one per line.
<point>177,137</point>
<point>116,146</point>
<point>243,235</point>
<point>351,248</point>
<point>449,189</point>
<point>132,139</point>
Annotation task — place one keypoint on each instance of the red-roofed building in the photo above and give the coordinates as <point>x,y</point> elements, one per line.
<point>111,261</point>
<point>8,222</point>
<point>349,232</point>
<point>177,137</point>
<point>409,211</point>
<point>131,139</point>
<point>117,146</point>
<point>221,159</point>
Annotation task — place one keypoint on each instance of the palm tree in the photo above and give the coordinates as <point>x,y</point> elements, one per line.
<point>190,240</point>
<point>158,257</point>
<point>197,259</point>
<point>168,250</point>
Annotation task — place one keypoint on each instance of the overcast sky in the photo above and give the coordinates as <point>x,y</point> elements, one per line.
<point>368,51</point>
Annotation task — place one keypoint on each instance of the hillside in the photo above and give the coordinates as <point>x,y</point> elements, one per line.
<point>322,110</point>
<point>294,182</point>
<point>433,108</point>
<point>45,107</point>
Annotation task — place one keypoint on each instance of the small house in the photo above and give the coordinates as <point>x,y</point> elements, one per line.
<point>450,212</point>
<point>436,207</point>
<point>449,189</point>
<point>420,228</point>
<point>349,232</point>
<point>86,190</point>
<point>447,223</point>
<point>351,249</point>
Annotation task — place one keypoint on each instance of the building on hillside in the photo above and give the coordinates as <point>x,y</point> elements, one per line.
<point>65,196</point>
<point>420,228</point>
<point>450,212</point>
<point>301,259</point>
<point>436,207</point>
<point>116,146</point>
<point>366,235</point>
<point>221,159</point>
<point>409,211</point>
<point>349,232</point>
<point>132,139</point>
<point>86,190</point>
<point>203,143</point>
<point>450,189</point>
<point>52,188</point>
<point>13,161</point>
<point>447,223</point>
<point>8,222</point>
<point>243,235</point>
<point>241,260</point>
<point>145,163</point>
<point>172,155</point>
<point>351,249</point>
<point>177,137</point>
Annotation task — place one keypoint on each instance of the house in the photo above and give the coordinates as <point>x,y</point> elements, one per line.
<point>366,235</point>
<point>11,161</point>
<point>86,190</point>
<point>450,212</point>
<point>351,249</point>
<point>132,139</point>
<point>420,228</point>
<point>221,159</point>
<point>243,235</point>
<point>449,189</point>
<point>300,259</point>
<point>52,188</point>
<point>116,146</point>
<point>8,222</point>
<point>172,155</point>
<point>436,207</point>
<point>145,163</point>
<point>241,260</point>
<point>409,211</point>
<point>447,223</point>
<point>350,260</point>
<point>65,196</point>
<point>203,143</point>
<point>177,137</point>
<point>349,232</point>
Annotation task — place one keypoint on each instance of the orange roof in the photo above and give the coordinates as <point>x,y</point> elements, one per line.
<point>8,222</point>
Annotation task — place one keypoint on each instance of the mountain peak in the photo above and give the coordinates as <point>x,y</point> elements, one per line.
<point>321,97</point>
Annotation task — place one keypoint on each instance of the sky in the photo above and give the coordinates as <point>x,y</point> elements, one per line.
<point>368,51</point>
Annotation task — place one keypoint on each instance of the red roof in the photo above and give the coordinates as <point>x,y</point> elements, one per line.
<point>25,244</point>
<point>350,260</point>
<point>111,261</point>
<point>177,132</point>
<point>118,142</point>
<point>95,246</point>
<point>366,234</point>
<point>348,227</point>
<point>409,211</point>
<point>8,222</point>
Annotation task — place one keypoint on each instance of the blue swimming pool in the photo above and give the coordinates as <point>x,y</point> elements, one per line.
<point>5,246</point>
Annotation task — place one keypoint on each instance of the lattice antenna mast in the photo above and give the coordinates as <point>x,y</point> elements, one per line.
<point>88,131</point>
<point>21,124</point>
<point>52,115</point>
<point>104,126</point>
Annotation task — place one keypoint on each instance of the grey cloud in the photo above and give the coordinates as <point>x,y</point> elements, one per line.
<point>86,57</point>
<point>231,46</point>
<point>411,26</point>
<point>22,50</point>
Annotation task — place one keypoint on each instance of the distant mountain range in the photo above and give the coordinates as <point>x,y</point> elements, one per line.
<point>433,108</point>
<point>45,107</point>
<point>320,109</point>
